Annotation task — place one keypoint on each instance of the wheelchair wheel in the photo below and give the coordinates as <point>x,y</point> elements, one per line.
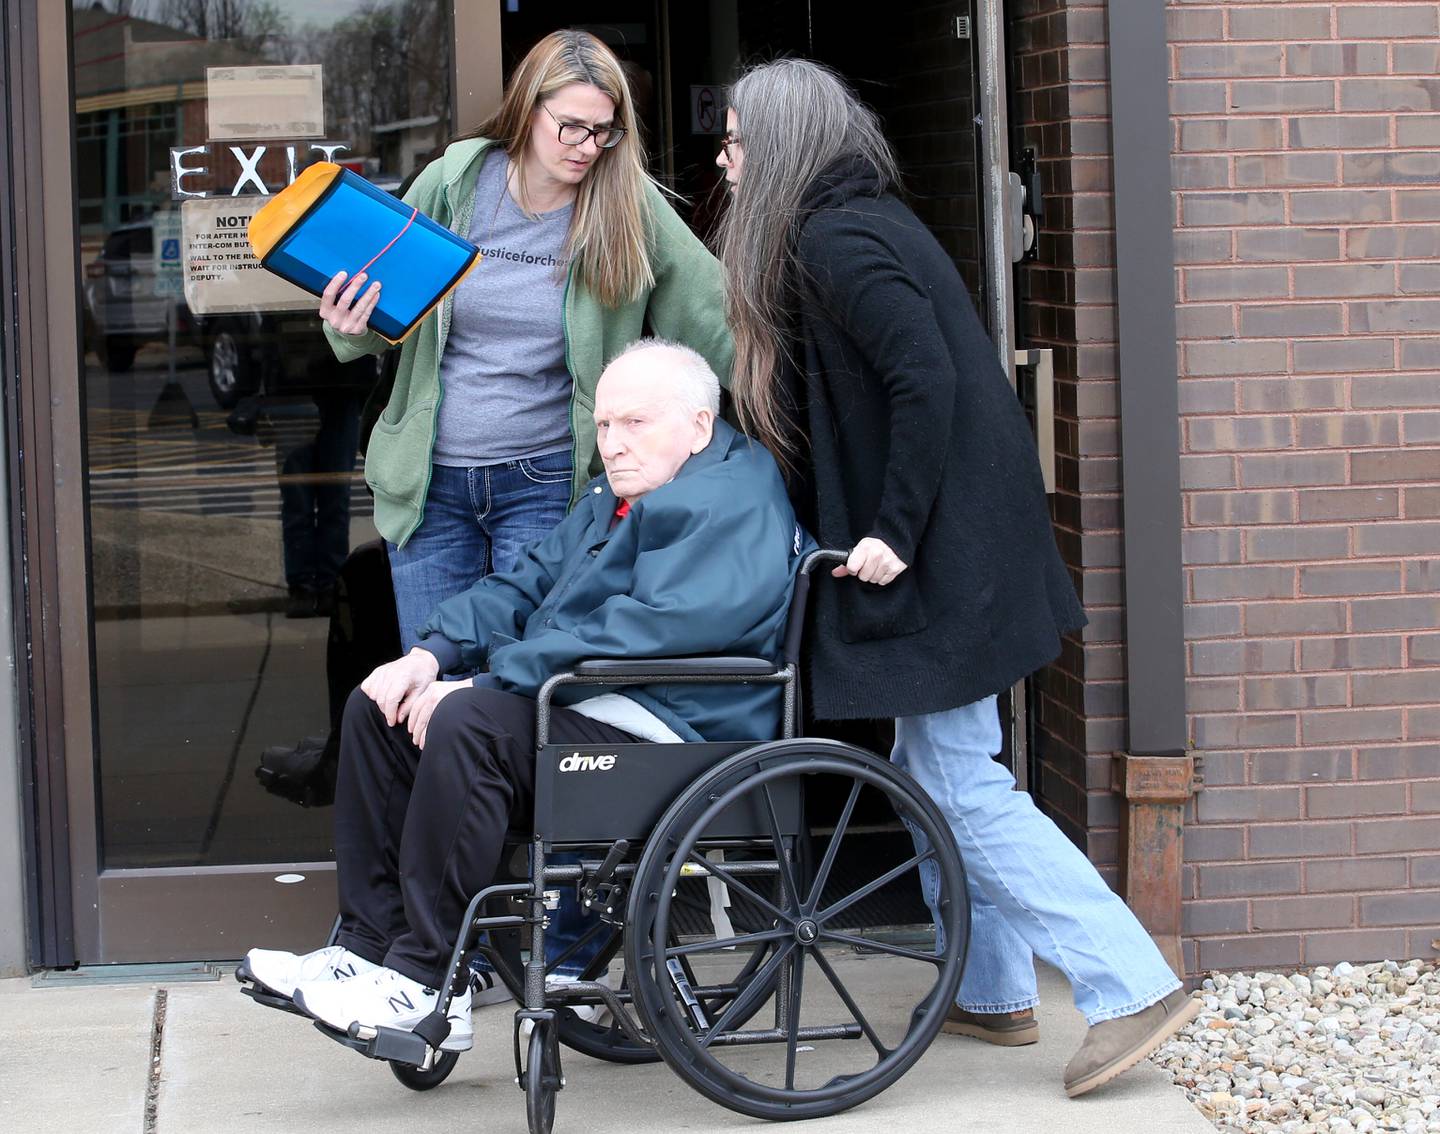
<point>542,1080</point>
<point>823,983</point>
<point>419,1080</point>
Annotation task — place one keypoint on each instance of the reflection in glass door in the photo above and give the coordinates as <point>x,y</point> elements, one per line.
<point>225,497</point>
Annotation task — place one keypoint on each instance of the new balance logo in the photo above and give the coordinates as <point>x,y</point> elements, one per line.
<point>577,763</point>
<point>401,1001</point>
<point>343,971</point>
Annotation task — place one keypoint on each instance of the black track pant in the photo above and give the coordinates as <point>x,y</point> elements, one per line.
<point>417,836</point>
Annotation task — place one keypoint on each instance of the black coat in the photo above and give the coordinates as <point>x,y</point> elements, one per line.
<point>914,436</point>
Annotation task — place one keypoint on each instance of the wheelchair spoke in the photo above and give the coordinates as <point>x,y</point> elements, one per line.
<point>870,887</point>
<point>866,944</point>
<point>792,1015</point>
<point>727,942</point>
<point>787,875</point>
<point>755,993</point>
<point>822,875</point>
<point>849,1002</point>
<point>734,883</point>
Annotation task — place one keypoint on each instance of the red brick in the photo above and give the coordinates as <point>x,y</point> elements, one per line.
<point>1354,945</point>
<point>1233,880</point>
<point>1395,390</point>
<point>1249,730</point>
<point>1227,60</point>
<point>1303,765</point>
<point>1269,545</point>
<point>1321,281</point>
<point>1286,23</point>
<point>1422,502</point>
<point>1348,430</point>
<point>1392,242</point>
<point>1367,652</point>
<point>1357,874</point>
<point>1220,805</point>
<point>1416,907</point>
<point>1395,315</point>
<point>1424,649</point>
<point>1232,433</point>
<point>1242,582</point>
<point>1294,692</point>
<point>1299,470</point>
<point>1348,504</point>
<point>1394,465</point>
<point>1344,356</point>
<point>1252,951</point>
<point>1337,726</point>
<point>1333,132</point>
<point>1202,134</point>
<point>1290,393</point>
<point>1336,59</point>
<point>1213,844</point>
<point>1299,840</point>
<point>1204,918</point>
<point>1420,613</point>
<point>1425,796</point>
<point>1288,245</point>
<point>1207,472</point>
<point>1226,508</point>
<point>1386,836</point>
<point>1351,579</point>
<point>1396,688</point>
<point>1387,21</point>
<point>1399,763</point>
<point>1421,943</point>
<point>1211,620</point>
<point>1319,206</point>
<point>1228,657</point>
<point>1211,545</point>
<point>1405,538</point>
<point>1425,870</point>
<point>1264,618</point>
<point>1390,94</point>
<point>1346,801</point>
<point>1422,577</point>
<point>1302,913</point>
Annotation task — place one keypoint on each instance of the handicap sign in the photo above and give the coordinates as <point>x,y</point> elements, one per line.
<point>167,253</point>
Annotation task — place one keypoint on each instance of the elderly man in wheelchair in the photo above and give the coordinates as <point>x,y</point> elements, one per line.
<point>653,614</point>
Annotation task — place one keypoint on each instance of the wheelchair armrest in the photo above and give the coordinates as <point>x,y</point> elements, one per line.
<point>675,667</point>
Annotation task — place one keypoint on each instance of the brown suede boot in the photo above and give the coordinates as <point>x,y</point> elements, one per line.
<point>1004,1029</point>
<point>1114,1046</point>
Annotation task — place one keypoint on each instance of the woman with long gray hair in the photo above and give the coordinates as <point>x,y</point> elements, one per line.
<point>861,363</point>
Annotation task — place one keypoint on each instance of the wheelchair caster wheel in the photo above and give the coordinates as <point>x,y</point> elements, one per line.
<point>418,1080</point>
<point>542,1079</point>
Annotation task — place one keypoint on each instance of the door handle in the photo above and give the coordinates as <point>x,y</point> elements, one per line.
<point>1035,384</point>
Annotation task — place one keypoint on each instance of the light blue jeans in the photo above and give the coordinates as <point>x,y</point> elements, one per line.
<point>1032,893</point>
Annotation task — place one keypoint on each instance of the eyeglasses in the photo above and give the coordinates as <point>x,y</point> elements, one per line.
<point>725,144</point>
<point>577,134</point>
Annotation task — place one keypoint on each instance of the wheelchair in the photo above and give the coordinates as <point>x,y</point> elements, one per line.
<point>714,869</point>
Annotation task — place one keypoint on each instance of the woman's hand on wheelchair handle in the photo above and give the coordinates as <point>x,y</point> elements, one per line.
<point>872,561</point>
<point>394,686</point>
<point>342,310</point>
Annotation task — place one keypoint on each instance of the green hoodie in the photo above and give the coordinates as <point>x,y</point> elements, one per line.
<point>686,304</point>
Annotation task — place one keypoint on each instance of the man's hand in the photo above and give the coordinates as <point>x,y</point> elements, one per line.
<point>422,708</point>
<point>872,561</point>
<point>394,685</point>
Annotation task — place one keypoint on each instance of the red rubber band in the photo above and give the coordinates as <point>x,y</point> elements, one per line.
<point>368,263</point>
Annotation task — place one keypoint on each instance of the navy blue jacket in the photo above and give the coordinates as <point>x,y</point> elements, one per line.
<point>702,565</point>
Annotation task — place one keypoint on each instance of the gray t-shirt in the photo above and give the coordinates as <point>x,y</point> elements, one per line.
<point>506,388</point>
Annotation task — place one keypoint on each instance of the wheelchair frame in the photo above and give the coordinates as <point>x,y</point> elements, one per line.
<point>416,1057</point>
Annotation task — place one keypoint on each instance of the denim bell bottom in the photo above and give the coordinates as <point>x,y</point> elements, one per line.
<point>1032,892</point>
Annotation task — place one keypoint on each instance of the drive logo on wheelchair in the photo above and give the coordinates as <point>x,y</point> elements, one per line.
<point>578,763</point>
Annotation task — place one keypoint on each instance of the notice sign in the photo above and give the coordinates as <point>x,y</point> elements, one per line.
<point>265,102</point>
<point>707,110</point>
<point>221,272</point>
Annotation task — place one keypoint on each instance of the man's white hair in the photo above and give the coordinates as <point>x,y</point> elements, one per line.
<point>695,385</point>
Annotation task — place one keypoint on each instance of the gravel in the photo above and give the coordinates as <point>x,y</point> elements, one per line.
<point>1353,1049</point>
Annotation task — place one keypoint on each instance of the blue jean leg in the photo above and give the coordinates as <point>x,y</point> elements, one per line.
<point>1045,889</point>
<point>999,966</point>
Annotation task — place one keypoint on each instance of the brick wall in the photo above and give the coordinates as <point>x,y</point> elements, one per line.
<point>1307,153</point>
<point>1065,300</point>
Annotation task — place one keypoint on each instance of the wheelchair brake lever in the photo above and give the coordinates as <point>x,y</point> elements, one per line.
<point>600,894</point>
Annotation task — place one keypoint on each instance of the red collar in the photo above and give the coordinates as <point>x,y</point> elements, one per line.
<point>622,509</point>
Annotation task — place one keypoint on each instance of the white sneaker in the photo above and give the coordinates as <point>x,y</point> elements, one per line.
<point>597,1014</point>
<point>485,990</point>
<point>281,972</point>
<point>383,998</point>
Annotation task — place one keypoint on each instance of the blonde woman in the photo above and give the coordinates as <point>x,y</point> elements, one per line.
<point>488,436</point>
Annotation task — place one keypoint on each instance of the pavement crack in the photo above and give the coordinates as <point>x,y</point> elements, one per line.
<point>157,1043</point>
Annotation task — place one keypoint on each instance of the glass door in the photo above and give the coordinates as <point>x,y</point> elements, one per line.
<point>230,534</point>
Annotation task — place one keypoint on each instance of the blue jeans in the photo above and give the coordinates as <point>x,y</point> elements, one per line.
<point>1032,892</point>
<point>478,520</point>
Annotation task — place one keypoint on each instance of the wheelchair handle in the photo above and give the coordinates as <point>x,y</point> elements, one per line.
<point>823,555</point>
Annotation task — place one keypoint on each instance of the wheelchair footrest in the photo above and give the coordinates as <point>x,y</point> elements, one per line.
<point>262,995</point>
<point>392,1044</point>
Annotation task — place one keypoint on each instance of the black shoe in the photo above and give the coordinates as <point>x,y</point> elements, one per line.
<point>303,773</point>
<point>302,602</point>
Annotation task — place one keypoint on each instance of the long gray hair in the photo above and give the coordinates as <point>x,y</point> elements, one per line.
<point>796,119</point>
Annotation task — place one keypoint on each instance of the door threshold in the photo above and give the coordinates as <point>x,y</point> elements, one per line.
<point>172,972</point>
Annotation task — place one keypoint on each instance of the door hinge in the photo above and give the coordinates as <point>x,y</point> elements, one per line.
<point>961,27</point>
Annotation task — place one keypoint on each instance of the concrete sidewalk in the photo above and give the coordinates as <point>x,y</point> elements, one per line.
<point>78,1061</point>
